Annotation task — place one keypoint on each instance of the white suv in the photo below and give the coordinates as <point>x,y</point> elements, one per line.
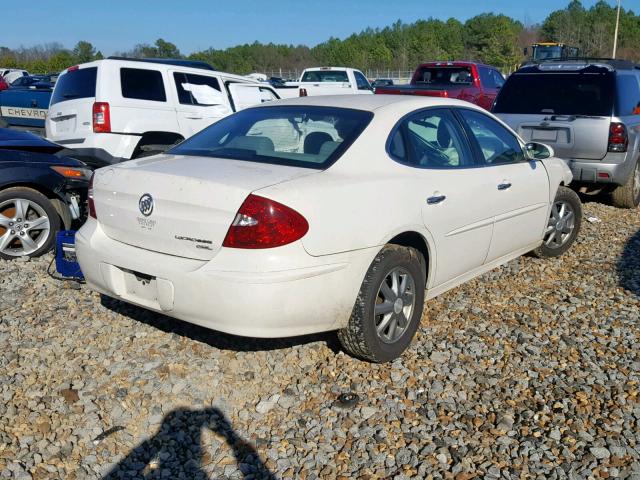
<point>117,109</point>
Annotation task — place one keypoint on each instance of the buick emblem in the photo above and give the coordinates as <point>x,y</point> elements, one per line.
<point>145,204</point>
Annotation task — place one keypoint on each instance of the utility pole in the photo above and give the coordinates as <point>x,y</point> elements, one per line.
<point>615,35</point>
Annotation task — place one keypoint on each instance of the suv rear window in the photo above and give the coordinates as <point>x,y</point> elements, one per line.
<point>567,93</point>
<point>443,76</point>
<point>325,76</point>
<point>142,84</point>
<point>74,84</point>
<point>300,136</point>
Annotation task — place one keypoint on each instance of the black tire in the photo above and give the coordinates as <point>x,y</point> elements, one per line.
<point>628,195</point>
<point>45,204</point>
<point>359,337</point>
<point>568,197</point>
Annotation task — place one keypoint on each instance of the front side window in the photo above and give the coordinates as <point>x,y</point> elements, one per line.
<point>300,136</point>
<point>496,144</point>
<point>142,84</point>
<point>361,81</point>
<point>430,139</point>
<point>198,89</point>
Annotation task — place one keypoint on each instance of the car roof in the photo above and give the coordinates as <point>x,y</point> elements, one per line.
<point>579,64</point>
<point>371,102</point>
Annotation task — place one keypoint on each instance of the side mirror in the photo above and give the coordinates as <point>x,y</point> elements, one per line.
<point>538,151</point>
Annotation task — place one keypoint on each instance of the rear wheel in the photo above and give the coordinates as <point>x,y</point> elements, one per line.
<point>628,195</point>
<point>28,223</point>
<point>563,225</point>
<point>389,306</point>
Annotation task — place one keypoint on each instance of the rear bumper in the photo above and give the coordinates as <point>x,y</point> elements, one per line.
<point>100,149</point>
<point>604,171</point>
<point>250,293</point>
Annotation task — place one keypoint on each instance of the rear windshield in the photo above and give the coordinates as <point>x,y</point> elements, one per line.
<point>443,76</point>
<point>74,84</point>
<point>566,93</point>
<point>300,136</point>
<point>325,76</point>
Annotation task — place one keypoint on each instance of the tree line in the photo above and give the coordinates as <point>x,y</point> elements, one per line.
<point>491,38</point>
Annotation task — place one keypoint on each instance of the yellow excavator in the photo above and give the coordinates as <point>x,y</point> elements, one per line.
<point>544,51</point>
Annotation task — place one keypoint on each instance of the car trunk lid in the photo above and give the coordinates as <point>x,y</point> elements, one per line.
<point>180,206</point>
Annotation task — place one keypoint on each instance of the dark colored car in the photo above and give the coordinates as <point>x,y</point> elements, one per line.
<point>35,82</point>
<point>41,191</point>
<point>382,82</point>
<point>469,81</point>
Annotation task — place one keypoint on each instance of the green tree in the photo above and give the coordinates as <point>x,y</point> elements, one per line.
<point>84,51</point>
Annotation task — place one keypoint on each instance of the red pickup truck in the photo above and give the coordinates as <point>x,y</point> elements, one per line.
<point>473,82</point>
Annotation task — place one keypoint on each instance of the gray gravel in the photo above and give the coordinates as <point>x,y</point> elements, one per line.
<point>530,371</point>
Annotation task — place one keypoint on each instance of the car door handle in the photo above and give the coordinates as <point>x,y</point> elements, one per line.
<point>436,199</point>
<point>194,118</point>
<point>504,186</point>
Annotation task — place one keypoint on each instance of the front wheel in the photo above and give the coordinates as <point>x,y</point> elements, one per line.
<point>28,223</point>
<point>563,225</point>
<point>389,306</point>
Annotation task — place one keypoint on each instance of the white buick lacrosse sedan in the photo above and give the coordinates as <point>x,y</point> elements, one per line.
<point>325,213</point>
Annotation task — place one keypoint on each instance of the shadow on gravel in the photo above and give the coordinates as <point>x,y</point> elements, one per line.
<point>176,451</point>
<point>629,265</point>
<point>220,340</point>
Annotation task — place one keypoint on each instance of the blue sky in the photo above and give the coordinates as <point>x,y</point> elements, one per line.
<point>117,25</point>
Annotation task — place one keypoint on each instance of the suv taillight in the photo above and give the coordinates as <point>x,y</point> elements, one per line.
<point>90,203</point>
<point>264,223</point>
<point>101,117</point>
<point>618,137</point>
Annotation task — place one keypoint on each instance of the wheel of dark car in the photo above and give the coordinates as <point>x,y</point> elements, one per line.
<point>628,195</point>
<point>389,306</point>
<point>28,223</point>
<point>563,226</point>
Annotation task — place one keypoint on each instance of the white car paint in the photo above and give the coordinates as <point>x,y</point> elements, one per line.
<point>353,208</point>
<point>70,122</point>
<point>11,74</point>
<point>357,84</point>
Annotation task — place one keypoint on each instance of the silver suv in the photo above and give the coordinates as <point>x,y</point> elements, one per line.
<point>589,112</point>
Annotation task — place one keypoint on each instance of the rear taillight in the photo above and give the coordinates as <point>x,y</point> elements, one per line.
<point>618,137</point>
<point>91,204</point>
<point>303,92</point>
<point>101,117</point>
<point>264,223</point>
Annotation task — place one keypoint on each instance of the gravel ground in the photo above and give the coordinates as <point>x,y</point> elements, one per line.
<point>530,371</point>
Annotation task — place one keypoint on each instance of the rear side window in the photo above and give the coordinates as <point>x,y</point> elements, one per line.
<point>566,93</point>
<point>628,97</point>
<point>142,84</point>
<point>198,89</point>
<point>74,84</point>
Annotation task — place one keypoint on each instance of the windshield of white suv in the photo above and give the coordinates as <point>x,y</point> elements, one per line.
<point>325,76</point>
<point>299,136</point>
<point>566,93</point>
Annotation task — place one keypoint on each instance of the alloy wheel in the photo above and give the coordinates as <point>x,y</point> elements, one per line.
<point>24,227</point>
<point>395,302</point>
<point>560,226</point>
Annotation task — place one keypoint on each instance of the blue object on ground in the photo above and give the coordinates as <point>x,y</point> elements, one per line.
<point>66,262</point>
